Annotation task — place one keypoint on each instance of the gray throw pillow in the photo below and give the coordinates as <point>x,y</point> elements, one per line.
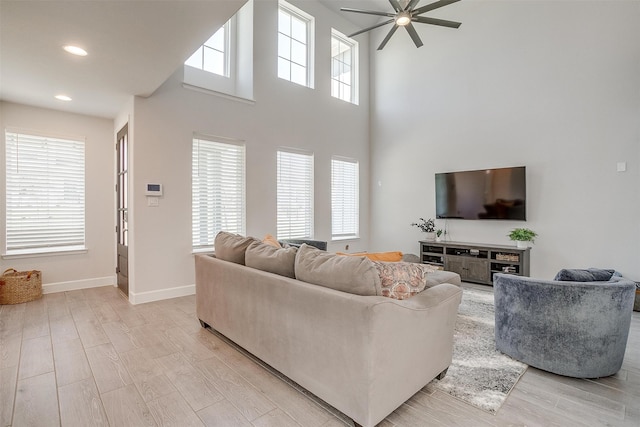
<point>231,247</point>
<point>267,257</point>
<point>584,275</point>
<point>353,274</point>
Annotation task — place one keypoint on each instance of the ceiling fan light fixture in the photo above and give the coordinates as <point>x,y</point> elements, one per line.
<point>403,18</point>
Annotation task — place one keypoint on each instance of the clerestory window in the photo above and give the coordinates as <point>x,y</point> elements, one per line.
<point>295,45</point>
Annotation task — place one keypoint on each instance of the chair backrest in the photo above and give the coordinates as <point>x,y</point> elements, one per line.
<point>578,329</point>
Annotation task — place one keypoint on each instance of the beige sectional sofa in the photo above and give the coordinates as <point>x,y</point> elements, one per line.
<point>363,354</point>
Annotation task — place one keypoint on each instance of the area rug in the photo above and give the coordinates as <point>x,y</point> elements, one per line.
<point>479,374</point>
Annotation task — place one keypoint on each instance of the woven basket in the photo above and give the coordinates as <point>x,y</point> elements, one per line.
<point>17,287</point>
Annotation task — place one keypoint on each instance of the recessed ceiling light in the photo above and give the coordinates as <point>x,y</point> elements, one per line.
<point>75,50</point>
<point>63,98</point>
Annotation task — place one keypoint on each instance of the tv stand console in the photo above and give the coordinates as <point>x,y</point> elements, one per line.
<point>476,262</point>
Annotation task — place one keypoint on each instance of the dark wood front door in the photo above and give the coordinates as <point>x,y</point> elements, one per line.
<point>122,220</point>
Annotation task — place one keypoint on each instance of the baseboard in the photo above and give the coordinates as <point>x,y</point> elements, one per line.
<point>50,288</point>
<point>150,296</point>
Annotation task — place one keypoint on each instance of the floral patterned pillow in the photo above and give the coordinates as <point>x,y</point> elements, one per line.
<point>402,280</point>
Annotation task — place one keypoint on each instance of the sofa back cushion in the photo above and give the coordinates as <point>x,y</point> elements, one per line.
<point>355,275</point>
<point>266,257</point>
<point>231,247</point>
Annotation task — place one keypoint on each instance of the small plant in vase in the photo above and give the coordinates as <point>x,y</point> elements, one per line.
<point>427,226</point>
<point>521,236</point>
<point>438,234</point>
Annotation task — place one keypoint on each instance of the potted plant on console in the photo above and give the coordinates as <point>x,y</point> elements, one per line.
<point>427,226</point>
<point>521,236</point>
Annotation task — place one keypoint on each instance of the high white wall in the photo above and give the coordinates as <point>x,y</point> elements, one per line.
<point>96,266</point>
<point>551,85</point>
<point>283,115</point>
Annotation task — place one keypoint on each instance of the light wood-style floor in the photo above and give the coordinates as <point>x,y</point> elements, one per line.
<point>88,357</point>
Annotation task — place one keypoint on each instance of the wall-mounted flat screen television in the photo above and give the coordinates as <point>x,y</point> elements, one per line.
<point>482,194</point>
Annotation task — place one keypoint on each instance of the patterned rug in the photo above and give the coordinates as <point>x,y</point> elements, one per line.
<point>479,374</point>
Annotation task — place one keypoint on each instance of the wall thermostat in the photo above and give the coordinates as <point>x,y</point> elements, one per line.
<point>153,190</point>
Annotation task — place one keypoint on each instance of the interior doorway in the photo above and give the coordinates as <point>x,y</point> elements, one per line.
<point>122,212</point>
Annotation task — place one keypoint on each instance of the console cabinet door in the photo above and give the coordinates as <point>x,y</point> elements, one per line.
<point>469,269</point>
<point>478,270</point>
<point>455,265</point>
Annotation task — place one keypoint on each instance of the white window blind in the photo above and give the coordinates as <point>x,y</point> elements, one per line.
<point>295,35</point>
<point>295,195</point>
<point>45,198</point>
<point>344,67</point>
<point>344,198</point>
<point>218,190</point>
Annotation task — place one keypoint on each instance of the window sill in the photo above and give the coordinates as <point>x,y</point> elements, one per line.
<point>209,251</point>
<point>44,253</point>
<point>342,239</point>
<point>218,94</point>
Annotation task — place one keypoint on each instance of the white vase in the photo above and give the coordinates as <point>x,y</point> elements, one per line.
<point>521,244</point>
<point>430,236</point>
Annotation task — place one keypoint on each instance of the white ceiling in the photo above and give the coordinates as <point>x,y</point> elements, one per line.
<point>133,45</point>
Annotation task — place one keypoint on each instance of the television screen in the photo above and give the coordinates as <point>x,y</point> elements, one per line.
<point>482,194</point>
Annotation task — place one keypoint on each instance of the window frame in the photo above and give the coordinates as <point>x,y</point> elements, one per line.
<point>228,43</point>
<point>353,206</point>
<point>309,21</point>
<point>232,182</point>
<point>354,57</point>
<point>290,225</point>
<point>55,197</point>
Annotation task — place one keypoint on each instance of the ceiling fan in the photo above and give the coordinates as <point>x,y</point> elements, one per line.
<point>404,16</point>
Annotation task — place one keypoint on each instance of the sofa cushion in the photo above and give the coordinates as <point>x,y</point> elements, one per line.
<point>584,275</point>
<point>267,257</point>
<point>377,256</point>
<point>231,247</point>
<point>356,275</point>
<point>401,280</point>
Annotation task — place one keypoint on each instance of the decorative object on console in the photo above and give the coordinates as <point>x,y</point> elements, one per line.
<point>405,12</point>
<point>426,226</point>
<point>570,328</point>
<point>438,234</point>
<point>521,236</point>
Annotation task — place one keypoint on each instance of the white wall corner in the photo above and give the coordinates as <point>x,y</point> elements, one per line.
<point>161,294</point>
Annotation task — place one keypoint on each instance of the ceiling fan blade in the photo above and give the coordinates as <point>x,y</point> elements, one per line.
<point>433,6</point>
<point>370,28</point>
<point>395,5</point>
<point>389,34</point>
<point>411,4</point>
<point>434,21</point>
<point>414,35</point>
<point>368,12</point>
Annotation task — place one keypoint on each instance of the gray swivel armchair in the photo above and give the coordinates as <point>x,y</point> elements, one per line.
<point>576,329</point>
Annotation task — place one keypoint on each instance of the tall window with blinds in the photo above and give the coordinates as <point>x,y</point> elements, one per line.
<point>45,194</point>
<point>345,210</point>
<point>295,195</point>
<point>218,191</point>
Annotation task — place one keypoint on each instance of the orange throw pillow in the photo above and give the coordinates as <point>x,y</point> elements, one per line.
<point>270,240</point>
<point>393,256</point>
